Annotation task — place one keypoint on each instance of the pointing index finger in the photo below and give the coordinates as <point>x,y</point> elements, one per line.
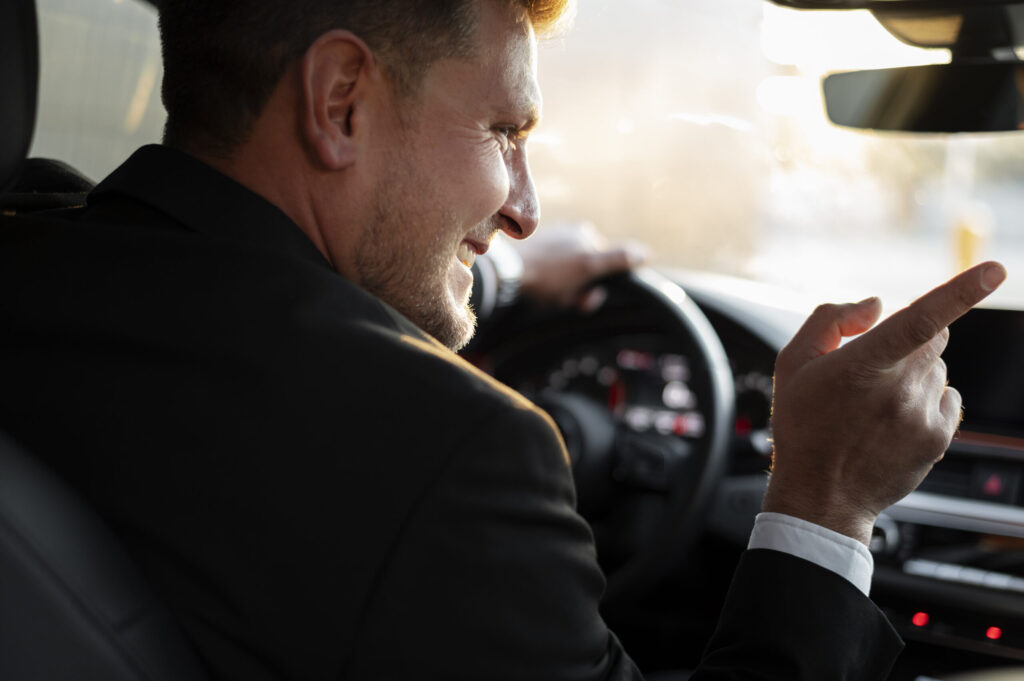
<point>913,326</point>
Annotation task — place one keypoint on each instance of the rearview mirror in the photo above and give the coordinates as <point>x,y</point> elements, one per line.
<point>938,98</point>
<point>886,4</point>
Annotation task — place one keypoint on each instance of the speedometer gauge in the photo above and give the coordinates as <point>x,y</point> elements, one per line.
<point>645,390</point>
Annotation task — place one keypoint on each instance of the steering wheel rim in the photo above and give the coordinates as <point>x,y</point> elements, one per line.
<point>689,498</point>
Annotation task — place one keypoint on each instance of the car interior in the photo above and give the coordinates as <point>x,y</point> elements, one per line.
<point>74,606</point>
<point>663,396</point>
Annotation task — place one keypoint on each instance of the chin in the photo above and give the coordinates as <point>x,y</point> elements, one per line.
<point>437,302</point>
<point>453,321</point>
<point>455,329</point>
<point>442,315</point>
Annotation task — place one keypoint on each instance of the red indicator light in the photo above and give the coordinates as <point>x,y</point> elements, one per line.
<point>994,633</point>
<point>743,425</point>
<point>680,426</point>
<point>919,619</point>
<point>616,395</point>
<point>993,487</point>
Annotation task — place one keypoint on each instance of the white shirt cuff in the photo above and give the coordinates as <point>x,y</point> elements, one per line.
<point>833,551</point>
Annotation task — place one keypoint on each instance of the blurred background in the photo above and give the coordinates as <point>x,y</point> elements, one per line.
<point>696,126</point>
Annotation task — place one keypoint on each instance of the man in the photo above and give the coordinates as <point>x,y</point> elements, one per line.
<point>227,352</point>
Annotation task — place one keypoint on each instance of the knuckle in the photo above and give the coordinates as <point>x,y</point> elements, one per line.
<point>938,443</point>
<point>828,310</point>
<point>939,341</point>
<point>952,396</point>
<point>900,403</point>
<point>952,406</point>
<point>930,369</point>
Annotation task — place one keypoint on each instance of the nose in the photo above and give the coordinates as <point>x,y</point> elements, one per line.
<point>521,211</point>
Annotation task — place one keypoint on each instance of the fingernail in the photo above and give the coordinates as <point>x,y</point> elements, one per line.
<point>992,277</point>
<point>869,299</point>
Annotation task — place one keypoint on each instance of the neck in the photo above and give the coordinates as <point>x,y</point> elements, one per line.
<point>270,169</point>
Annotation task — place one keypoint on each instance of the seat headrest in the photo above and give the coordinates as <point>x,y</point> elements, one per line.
<point>19,75</point>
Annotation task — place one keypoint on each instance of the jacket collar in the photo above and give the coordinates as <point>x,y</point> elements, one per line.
<point>205,201</point>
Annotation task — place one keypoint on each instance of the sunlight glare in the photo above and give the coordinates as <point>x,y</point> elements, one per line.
<point>795,96</point>
<point>823,41</point>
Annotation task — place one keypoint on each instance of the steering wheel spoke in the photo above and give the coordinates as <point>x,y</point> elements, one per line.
<point>649,461</point>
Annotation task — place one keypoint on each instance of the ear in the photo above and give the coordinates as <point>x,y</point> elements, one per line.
<point>336,70</point>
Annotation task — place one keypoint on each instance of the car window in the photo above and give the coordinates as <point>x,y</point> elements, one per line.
<point>99,90</point>
<point>700,127</point>
<point>697,127</point>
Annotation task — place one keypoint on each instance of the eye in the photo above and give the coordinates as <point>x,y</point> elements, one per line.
<point>508,136</point>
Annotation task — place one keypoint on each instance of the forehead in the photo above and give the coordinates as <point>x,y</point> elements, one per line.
<point>519,67</point>
<point>500,74</point>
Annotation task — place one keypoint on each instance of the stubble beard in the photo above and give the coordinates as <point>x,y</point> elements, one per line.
<point>414,283</point>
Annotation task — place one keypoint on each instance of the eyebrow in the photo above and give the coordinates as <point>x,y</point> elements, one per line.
<point>527,107</point>
<point>532,120</point>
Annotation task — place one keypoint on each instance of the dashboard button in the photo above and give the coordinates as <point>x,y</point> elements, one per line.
<point>995,483</point>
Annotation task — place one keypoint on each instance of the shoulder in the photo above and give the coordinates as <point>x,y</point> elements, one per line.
<point>477,384</point>
<point>421,393</point>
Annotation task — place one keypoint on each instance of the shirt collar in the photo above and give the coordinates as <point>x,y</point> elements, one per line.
<point>205,201</point>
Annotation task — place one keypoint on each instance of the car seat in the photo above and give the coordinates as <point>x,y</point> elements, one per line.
<point>45,184</point>
<point>19,72</point>
<point>72,604</point>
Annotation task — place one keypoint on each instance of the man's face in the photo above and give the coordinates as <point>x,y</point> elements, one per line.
<point>453,171</point>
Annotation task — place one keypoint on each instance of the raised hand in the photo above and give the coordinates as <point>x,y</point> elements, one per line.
<point>856,428</point>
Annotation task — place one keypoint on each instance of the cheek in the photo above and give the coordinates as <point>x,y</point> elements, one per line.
<point>482,180</point>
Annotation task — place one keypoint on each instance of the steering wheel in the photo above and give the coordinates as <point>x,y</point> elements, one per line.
<point>643,395</point>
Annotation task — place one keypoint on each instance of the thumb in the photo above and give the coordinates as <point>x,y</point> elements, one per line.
<point>824,330</point>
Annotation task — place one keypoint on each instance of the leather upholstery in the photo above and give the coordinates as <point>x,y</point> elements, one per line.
<point>46,184</point>
<point>74,606</point>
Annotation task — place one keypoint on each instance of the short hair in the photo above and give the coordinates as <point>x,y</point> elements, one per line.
<point>223,58</point>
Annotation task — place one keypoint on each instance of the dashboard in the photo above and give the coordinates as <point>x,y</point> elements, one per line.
<point>949,558</point>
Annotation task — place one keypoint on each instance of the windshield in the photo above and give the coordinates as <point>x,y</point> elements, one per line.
<point>696,127</point>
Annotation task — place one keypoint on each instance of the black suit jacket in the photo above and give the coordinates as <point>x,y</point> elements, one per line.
<point>318,489</point>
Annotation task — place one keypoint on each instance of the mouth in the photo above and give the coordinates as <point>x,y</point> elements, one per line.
<point>468,250</point>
